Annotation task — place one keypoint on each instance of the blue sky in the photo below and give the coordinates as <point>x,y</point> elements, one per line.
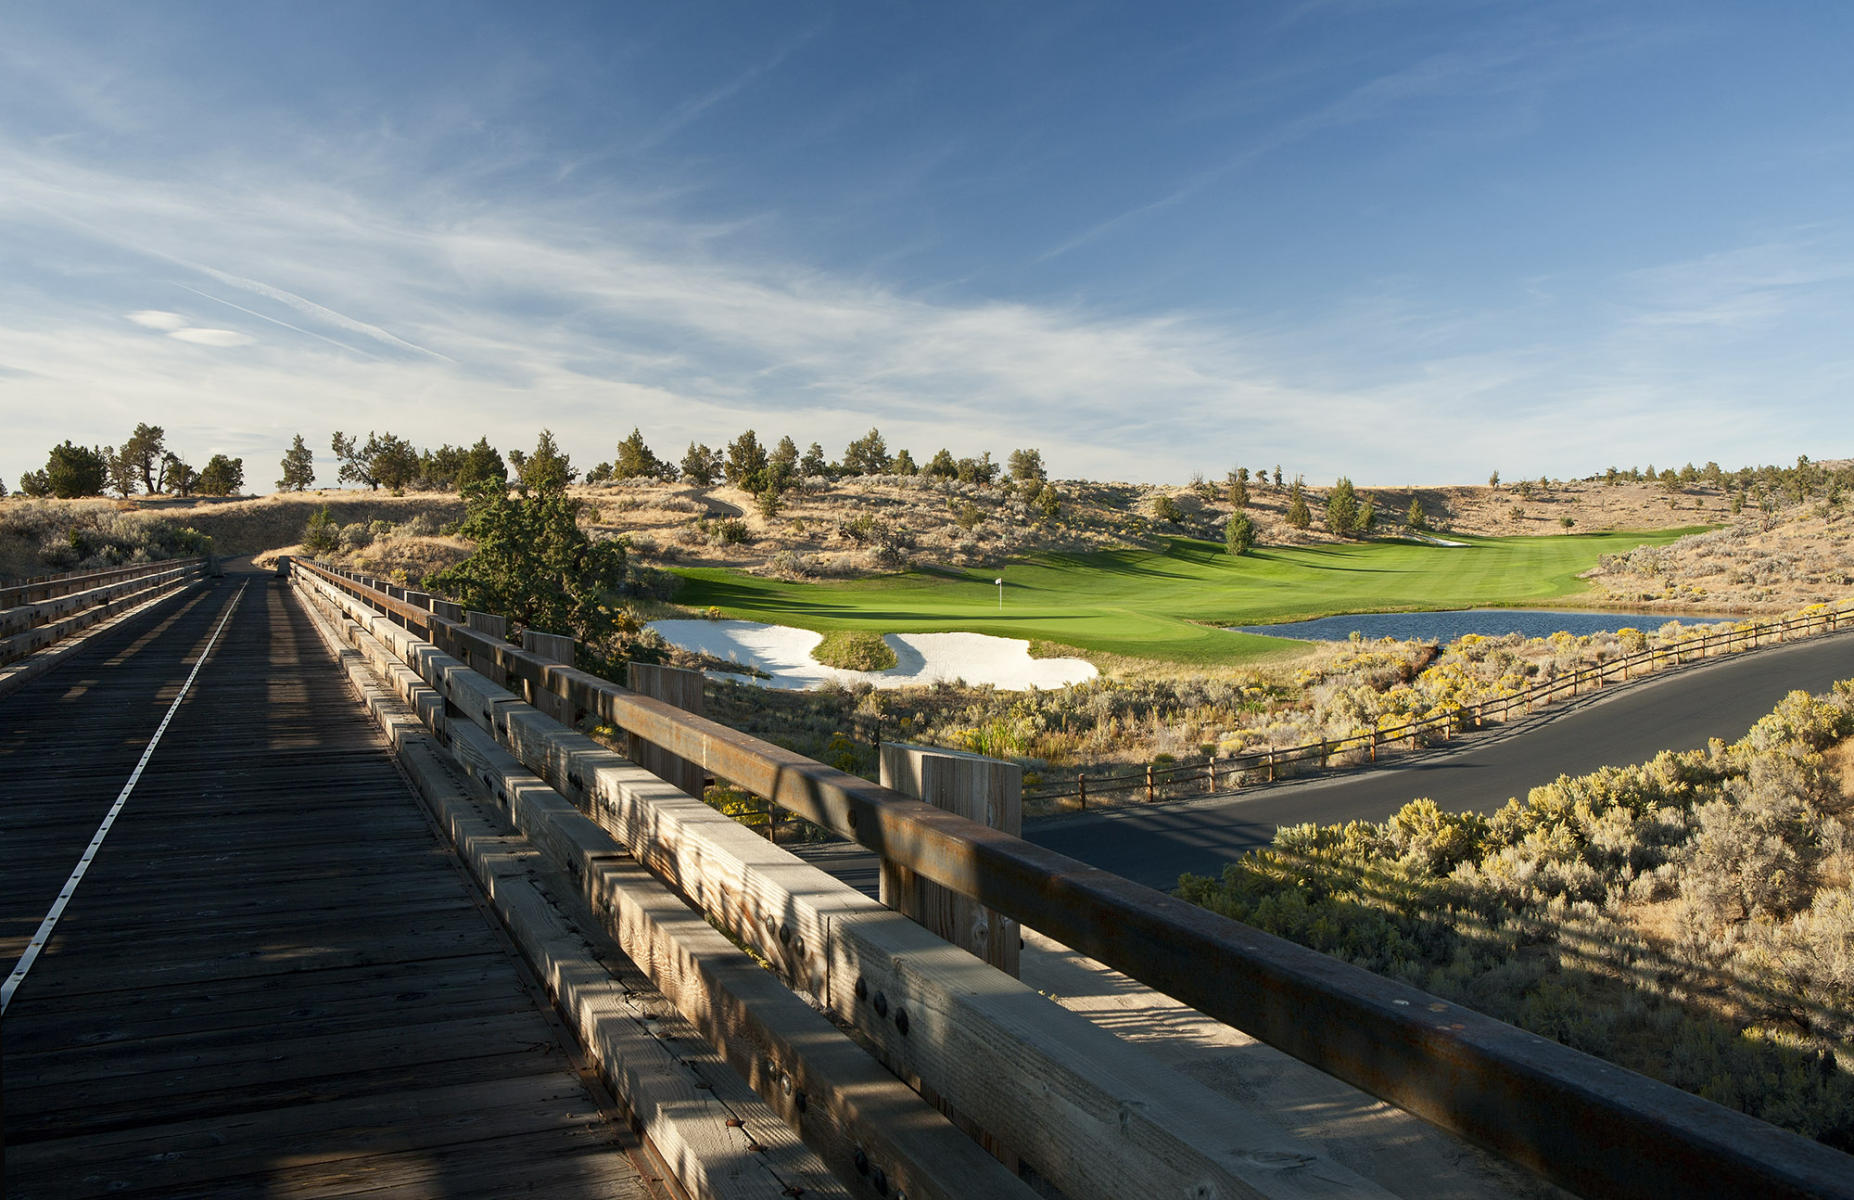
<point>1407,242</point>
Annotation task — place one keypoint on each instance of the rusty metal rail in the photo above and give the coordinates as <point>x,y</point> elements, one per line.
<point>1585,1124</point>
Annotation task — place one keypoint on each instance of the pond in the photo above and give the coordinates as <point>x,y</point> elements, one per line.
<point>1445,627</point>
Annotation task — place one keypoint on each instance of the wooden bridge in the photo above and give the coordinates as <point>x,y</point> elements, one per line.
<point>263,939</point>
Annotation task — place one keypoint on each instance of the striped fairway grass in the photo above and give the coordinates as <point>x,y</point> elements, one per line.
<point>1167,604</point>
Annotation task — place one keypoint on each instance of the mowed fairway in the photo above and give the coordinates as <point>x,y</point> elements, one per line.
<point>1166,604</point>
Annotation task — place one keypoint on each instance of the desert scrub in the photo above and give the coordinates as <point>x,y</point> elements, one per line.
<point>1689,917</point>
<point>38,536</point>
<point>852,651</point>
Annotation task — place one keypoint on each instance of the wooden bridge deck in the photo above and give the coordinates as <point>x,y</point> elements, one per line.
<point>274,979</point>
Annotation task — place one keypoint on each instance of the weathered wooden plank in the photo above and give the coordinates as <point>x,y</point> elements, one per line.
<point>682,688</point>
<point>299,1063</point>
<point>521,792</point>
<point>193,1152</point>
<point>383,995</point>
<point>567,1163</point>
<point>685,1098</point>
<point>995,1050</point>
<point>33,627</point>
<point>986,790</point>
<point>47,587</point>
<point>784,1048</point>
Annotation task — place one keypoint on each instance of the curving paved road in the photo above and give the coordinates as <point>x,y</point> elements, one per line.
<point>1674,710</point>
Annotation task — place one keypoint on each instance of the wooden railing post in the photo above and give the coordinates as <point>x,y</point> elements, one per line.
<point>986,790</point>
<point>554,647</point>
<point>683,689</point>
<point>496,627</point>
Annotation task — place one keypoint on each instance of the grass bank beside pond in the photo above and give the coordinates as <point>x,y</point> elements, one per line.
<point>1167,604</point>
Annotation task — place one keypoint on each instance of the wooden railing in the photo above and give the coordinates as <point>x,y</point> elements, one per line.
<point>61,606</point>
<point>1231,772</point>
<point>1046,1086</point>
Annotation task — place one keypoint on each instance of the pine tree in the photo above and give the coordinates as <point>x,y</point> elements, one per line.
<point>1416,518</point>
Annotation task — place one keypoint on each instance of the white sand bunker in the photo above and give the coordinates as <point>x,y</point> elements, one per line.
<point>921,658</point>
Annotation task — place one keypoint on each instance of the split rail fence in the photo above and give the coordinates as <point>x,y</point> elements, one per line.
<point>1052,1094</point>
<point>1232,772</point>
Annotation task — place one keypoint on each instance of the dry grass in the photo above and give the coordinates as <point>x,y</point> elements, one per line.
<point>870,525</point>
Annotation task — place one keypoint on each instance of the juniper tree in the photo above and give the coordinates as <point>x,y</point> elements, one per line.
<point>298,467</point>
<point>1027,464</point>
<point>122,471</point>
<point>867,455</point>
<point>1239,488</point>
<point>72,470</point>
<point>636,460</point>
<point>177,475</point>
<point>1298,514</point>
<point>534,564</point>
<point>781,467</point>
<point>746,458</point>
<point>482,462</point>
<point>548,466</point>
<point>222,475</point>
<point>1342,509</point>
<point>700,465</point>
<point>143,452</point>
<point>1239,533</point>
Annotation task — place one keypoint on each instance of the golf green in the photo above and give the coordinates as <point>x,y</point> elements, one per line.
<point>1168,604</point>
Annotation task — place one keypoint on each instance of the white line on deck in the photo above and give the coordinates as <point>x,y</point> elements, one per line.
<point>83,864</point>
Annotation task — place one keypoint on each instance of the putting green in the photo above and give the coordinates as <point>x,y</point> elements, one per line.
<point>1165,604</point>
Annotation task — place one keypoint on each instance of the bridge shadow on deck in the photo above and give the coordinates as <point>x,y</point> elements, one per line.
<point>275,978</point>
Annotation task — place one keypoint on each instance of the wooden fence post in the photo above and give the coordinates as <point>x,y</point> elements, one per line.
<point>1149,783</point>
<point>986,790</point>
<point>1081,790</point>
<point>683,689</point>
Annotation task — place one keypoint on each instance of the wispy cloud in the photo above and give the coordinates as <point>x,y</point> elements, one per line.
<point>1518,62</point>
<point>449,318</point>
<point>692,110</point>
<point>213,337</point>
